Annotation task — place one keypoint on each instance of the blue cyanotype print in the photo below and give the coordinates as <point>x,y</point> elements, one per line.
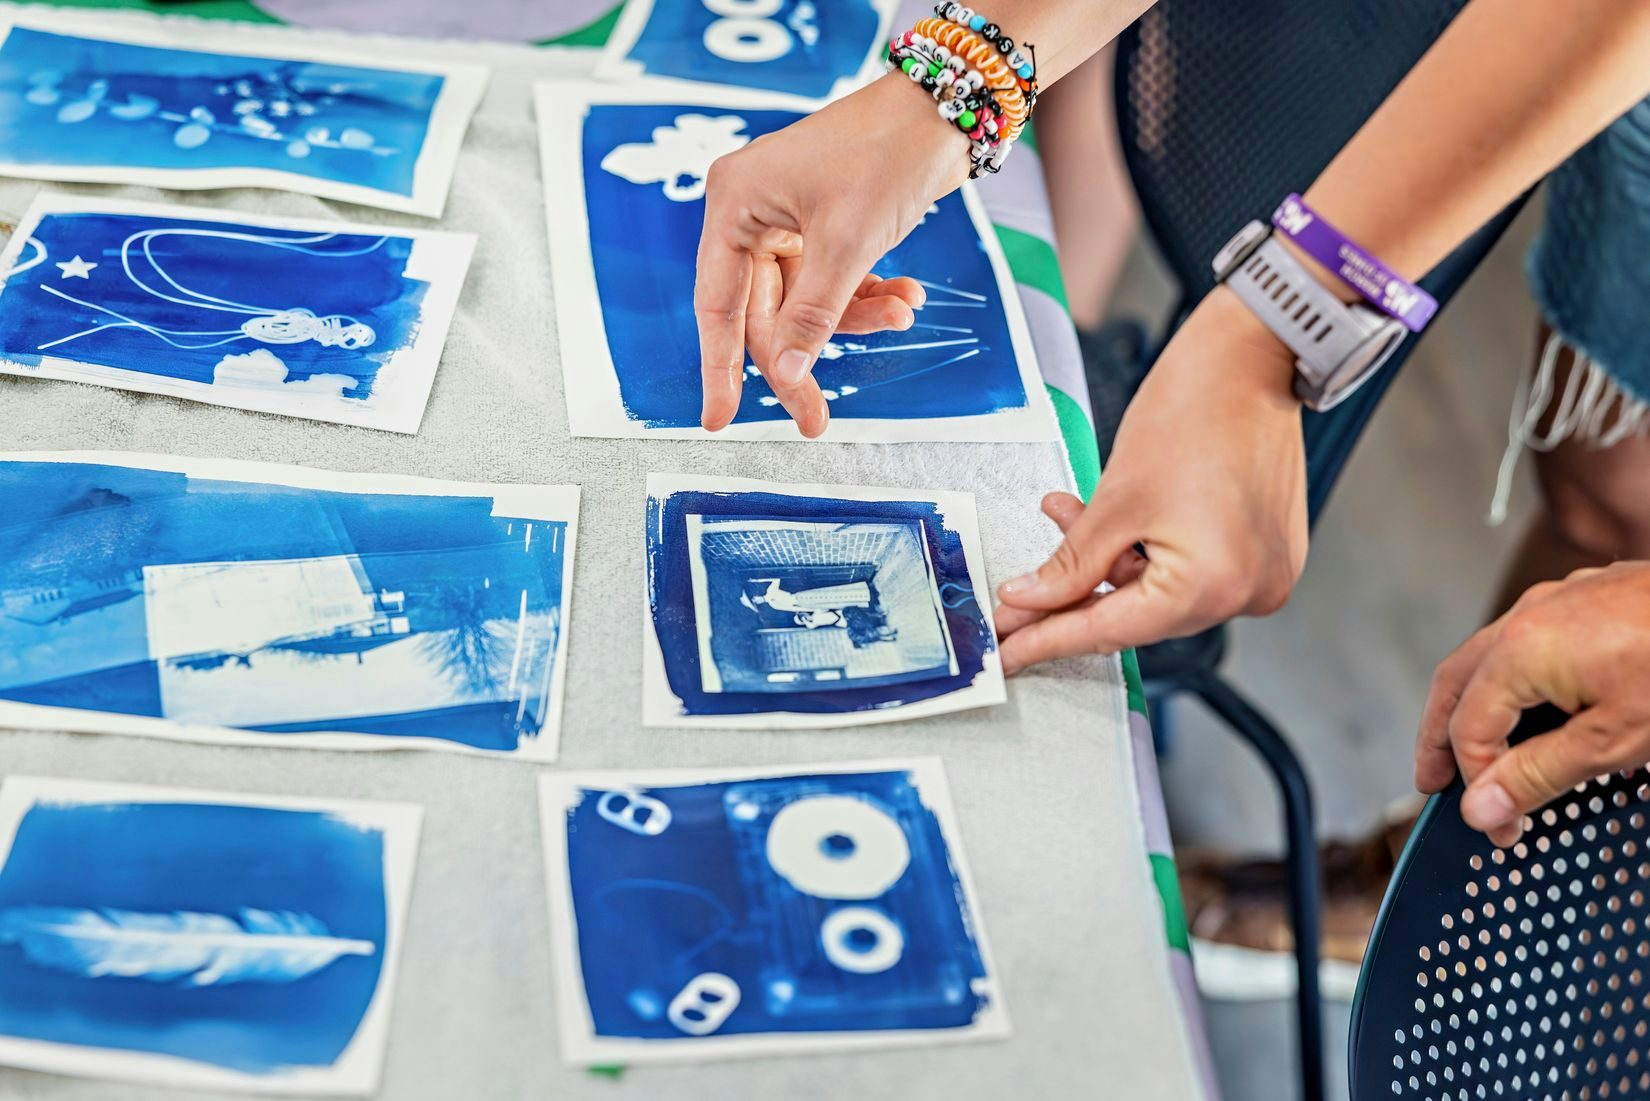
<point>801,903</point>
<point>277,608</point>
<point>213,302</point>
<point>767,602</point>
<point>249,938</point>
<point>800,47</point>
<point>72,101</point>
<point>644,171</point>
<point>815,605</point>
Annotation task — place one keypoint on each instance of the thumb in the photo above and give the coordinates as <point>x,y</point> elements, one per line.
<point>1093,542</point>
<point>813,306</point>
<point>1538,770</point>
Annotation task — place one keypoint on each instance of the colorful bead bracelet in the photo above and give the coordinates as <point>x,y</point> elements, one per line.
<point>1022,64</point>
<point>961,94</point>
<point>983,83</point>
<point>979,52</point>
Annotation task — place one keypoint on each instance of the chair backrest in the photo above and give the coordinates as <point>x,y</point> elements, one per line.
<point>1225,107</point>
<point>1517,973</point>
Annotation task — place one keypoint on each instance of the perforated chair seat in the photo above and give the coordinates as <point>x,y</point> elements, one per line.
<point>1514,974</point>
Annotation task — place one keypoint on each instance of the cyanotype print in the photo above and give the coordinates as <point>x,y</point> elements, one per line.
<point>633,171</point>
<point>199,939</point>
<point>159,106</point>
<point>812,605</point>
<point>298,318</point>
<point>181,598</point>
<point>813,49</point>
<point>782,606</point>
<point>700,914</point>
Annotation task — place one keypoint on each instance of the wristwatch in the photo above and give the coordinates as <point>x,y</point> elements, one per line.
<point>1337,347</point>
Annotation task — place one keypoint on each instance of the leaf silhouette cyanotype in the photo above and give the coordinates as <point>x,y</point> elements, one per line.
<point>203,949</point>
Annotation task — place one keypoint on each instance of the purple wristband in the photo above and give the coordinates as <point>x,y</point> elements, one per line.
<point>1385,288</point>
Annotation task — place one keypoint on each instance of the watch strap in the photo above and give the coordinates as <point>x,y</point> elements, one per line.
<point>1336,346</point>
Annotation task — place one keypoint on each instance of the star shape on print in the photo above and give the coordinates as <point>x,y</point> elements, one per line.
<point>76,268</point>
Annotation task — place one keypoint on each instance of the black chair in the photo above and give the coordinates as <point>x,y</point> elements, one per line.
<point>1223,109</point>
<point>1513,973</point>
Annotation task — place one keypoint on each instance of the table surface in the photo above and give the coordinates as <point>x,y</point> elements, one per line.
<point>1061,812</point>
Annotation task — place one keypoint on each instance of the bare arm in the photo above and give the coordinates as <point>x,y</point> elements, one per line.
<point>1510,89</point>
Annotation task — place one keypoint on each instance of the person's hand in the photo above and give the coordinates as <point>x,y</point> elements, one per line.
<point>793,223</point>
<point>1581,644</point>
<point>1207,474</point>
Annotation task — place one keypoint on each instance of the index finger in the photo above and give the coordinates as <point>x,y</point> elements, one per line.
<point>720,288</point>
<point>1490,706</point>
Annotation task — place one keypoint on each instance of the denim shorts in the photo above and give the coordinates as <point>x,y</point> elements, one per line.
<point>1589,268</point>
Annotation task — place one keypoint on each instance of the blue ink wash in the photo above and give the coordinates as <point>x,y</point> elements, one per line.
<point>644,167</point>
<point>275,608</point>
<point>807,903</point>
<point>847,606</point>
<point>800,47</point>
<point>196,892</point>
<point>72,101</point>
<point>213,302</point>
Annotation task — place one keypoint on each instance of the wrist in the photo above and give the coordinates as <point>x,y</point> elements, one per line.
<point>1264,366</point>
<point>917,138</point>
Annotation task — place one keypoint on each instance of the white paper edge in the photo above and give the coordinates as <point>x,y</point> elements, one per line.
<point>580,1046</point>
<point>591,385</point>
<point>615,64</point>
<point>402,389</point>
<point>529,502</point>
<point>461,90</point>
<point>359,1067</point>
<point>661,707</point>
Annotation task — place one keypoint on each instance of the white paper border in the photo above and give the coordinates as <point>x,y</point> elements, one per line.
<point>402,389</point>
<point>589,381</point>
<point>580,1046</point>
<point>460,95</point>
<point>359,1068</point>
<point>661,707</point>
<point>530,502</point>
<point>615,63</point>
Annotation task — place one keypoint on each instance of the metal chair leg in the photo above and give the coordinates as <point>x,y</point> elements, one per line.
<point>1305,895</point>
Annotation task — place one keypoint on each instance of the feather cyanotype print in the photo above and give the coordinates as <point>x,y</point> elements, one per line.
<point>202,949</point>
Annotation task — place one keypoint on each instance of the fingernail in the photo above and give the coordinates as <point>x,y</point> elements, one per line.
<point>1486,806</point>
<point>905,323</point>
<point>1010,666</point>
<point>922,299</point>
<point>1019,586</point>
<point>792,366</point>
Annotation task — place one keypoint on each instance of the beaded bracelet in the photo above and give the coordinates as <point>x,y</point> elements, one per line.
<point>1023,65</point>
<point>988,60</point>
<point>960,91</point>
<point>983,83</point>
<point>1023,62</point>
<point>962,96</point>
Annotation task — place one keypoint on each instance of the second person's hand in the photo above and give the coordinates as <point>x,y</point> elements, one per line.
<point>793,223</point>
<point>1207,474</point>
